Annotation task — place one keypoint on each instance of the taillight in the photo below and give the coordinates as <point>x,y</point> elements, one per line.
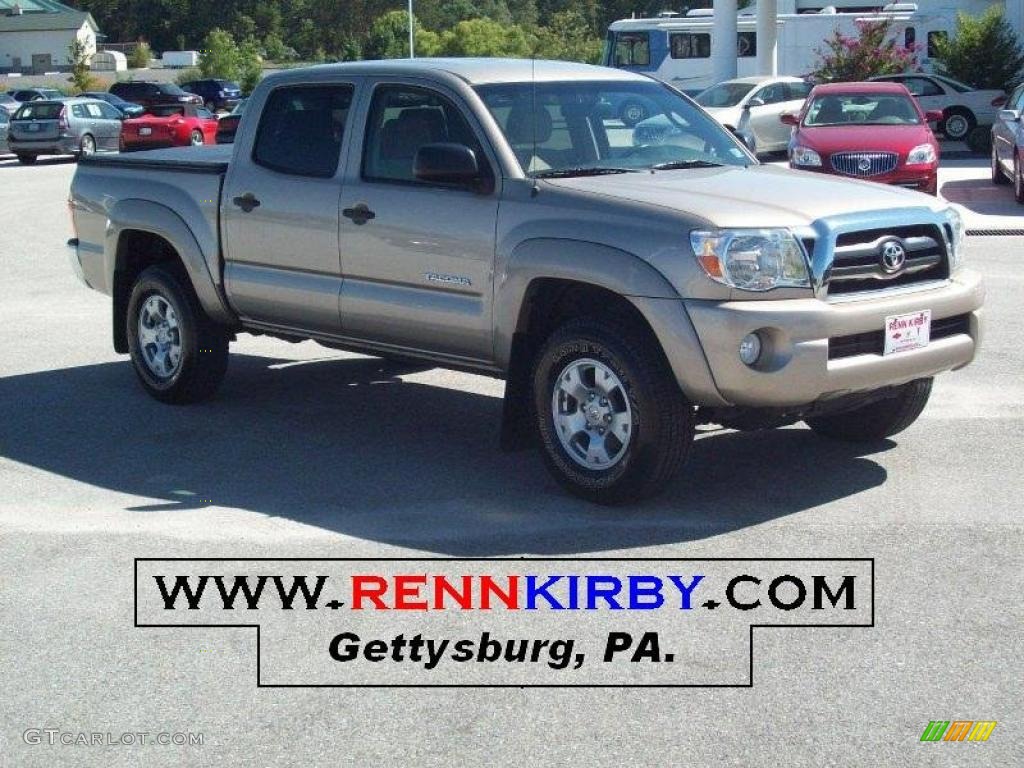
<point>998,101</point>
<point>63,119</point>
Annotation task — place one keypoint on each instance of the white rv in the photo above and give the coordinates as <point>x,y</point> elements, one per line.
<point>677,49</point>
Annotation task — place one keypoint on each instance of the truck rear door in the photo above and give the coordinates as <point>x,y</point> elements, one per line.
<point>279,209</point>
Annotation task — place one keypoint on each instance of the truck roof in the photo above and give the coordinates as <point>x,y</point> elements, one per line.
<point>479,71</point>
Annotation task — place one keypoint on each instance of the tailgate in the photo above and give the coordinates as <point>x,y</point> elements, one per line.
<point>35,130</point>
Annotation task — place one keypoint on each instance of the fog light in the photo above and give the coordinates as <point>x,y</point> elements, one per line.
<point>750,348</point>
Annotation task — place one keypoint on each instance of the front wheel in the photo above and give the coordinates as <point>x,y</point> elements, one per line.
<point>877,420</point>
<point>179,354</point>
<point>27,159</point>
<point>614,426</point>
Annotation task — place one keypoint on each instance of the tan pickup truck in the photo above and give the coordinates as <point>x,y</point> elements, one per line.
<point>499,216</point>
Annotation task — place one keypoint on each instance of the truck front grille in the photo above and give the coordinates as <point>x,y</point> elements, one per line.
<point>864,164</point>
<point>873,342</point>
<point>875,259</point>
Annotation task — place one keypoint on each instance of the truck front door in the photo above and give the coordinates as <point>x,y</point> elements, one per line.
<point>280,210</point>
<point>416,256</point>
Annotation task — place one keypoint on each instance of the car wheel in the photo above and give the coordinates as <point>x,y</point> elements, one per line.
<point>958,124</point>
<point>178,353</point>
<point>877,420</point>
<point>998,177</point>
<point>632,112</point>
<point>196,139</point>
<point>1018,180</point>
<point>613,424</point>
<point>87,146</point>
<point>27,159</point>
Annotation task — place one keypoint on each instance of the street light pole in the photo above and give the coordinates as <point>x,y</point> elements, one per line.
<point>412,51</point>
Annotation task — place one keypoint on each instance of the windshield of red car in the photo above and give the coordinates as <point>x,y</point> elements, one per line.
<point>861,109</point>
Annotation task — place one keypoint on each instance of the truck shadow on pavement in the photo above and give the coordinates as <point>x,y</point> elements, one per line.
<point>346,445</point>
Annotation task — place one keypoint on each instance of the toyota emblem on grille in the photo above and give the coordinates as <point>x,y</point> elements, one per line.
<point>893,256</point>
<point>864,165</point>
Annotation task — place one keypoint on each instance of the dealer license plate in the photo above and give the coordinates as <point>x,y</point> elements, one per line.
<point>903,332</point>
<point>33,127</point>
<point>145,131</point>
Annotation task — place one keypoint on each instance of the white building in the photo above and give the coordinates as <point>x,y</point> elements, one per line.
<point>35,35</point>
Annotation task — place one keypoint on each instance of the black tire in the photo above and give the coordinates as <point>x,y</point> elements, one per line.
<point>27,159</point>
<point>196,138</point>
<point>632,112</point>
<point>877,420</point>
<point>998,177</point>
<point>661,433</point>
<point>960,129</point>
<point>203,343</point>
<point>86,146</point>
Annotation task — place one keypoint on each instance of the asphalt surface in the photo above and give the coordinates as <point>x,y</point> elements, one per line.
<point>310,452</point>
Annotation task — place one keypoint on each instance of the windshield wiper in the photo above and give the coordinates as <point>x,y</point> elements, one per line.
<point>676,165</point>
<point>556,173</point>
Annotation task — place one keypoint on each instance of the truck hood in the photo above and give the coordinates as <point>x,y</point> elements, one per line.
<point>757,196</point>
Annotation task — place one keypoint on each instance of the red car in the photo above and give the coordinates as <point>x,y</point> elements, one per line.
<point>873,131</point>
<point>169,126</point>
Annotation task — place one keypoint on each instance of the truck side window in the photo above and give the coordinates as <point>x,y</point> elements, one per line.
<point>404,118</point>
<point>301,129</point>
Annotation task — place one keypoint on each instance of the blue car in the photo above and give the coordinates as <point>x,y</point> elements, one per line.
<point>126,108</point>
<point>216,94</point>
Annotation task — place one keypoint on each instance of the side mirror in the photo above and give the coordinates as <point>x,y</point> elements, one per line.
<point>789,118</point>
<point>933,115</point>
<point>445,163</point>
<point>755,102</point>
<point>1009,115</point>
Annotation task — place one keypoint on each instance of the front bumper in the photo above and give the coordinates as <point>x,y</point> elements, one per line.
<point>797,370</point>
<point>922,178</point>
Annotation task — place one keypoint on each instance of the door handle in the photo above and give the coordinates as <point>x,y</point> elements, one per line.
<point>360,214</point>
<point>247,202</point>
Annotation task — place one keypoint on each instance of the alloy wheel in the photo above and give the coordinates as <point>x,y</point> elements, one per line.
<point>591,413</point>
<point>159,337</point>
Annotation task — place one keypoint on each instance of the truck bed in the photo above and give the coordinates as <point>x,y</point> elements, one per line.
<point>207,159</point>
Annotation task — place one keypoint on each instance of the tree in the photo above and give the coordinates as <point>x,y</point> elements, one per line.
<point>984,51</point>
<point>78,55</point>
<point>250,65</point>
<point>873,52</point>
<point>140,56</point>
<point>567,36</point>
<point>219,56</point>
<point>483,37</point>
<point>388,38</point>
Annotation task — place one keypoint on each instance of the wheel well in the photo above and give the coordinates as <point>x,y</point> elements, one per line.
<point>547,304</point>
<point>136,250</point>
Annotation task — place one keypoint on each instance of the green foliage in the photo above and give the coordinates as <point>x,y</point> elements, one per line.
<point>568,36</point>
<point>141,56</point>
<point>188,75</point>
<point>984,51</point>
<point>78,55</point>
<point>250,65</point>
<point>484,37</point>
<point>874,51</point>
<point>219,55</point>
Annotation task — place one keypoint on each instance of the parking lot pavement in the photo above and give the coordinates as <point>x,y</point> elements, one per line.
<point>310,452</point>
<point>968,183</point>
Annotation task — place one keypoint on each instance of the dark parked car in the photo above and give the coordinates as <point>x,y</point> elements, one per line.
<point>150,94</point>
<point>216,94</point>
<point>36,94</point>
<point>227,126</point>
<point>126,108</point>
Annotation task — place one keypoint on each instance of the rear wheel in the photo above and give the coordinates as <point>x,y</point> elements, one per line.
<point>613,423</point>
<point>87,146</point>
<point>196,139</point>
<point>877,420</point>
<point>998,177</point>
<point>26,159</point>
<point>179,354</point>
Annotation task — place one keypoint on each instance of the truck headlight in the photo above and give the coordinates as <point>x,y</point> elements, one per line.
<point>751,259</point>
<point>923,154</point>
<point>805,156</point>
<point>956,244</point>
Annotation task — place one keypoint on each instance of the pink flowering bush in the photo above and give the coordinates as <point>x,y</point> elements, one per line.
<point>873,52</point>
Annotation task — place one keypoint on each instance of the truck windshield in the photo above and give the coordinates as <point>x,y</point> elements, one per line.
<point>579,128</point>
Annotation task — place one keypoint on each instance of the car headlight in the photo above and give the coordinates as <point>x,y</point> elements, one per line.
<point>923,154</point>
<point>956,245</point>
<point>751,259</point>
<point>805,156</point>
